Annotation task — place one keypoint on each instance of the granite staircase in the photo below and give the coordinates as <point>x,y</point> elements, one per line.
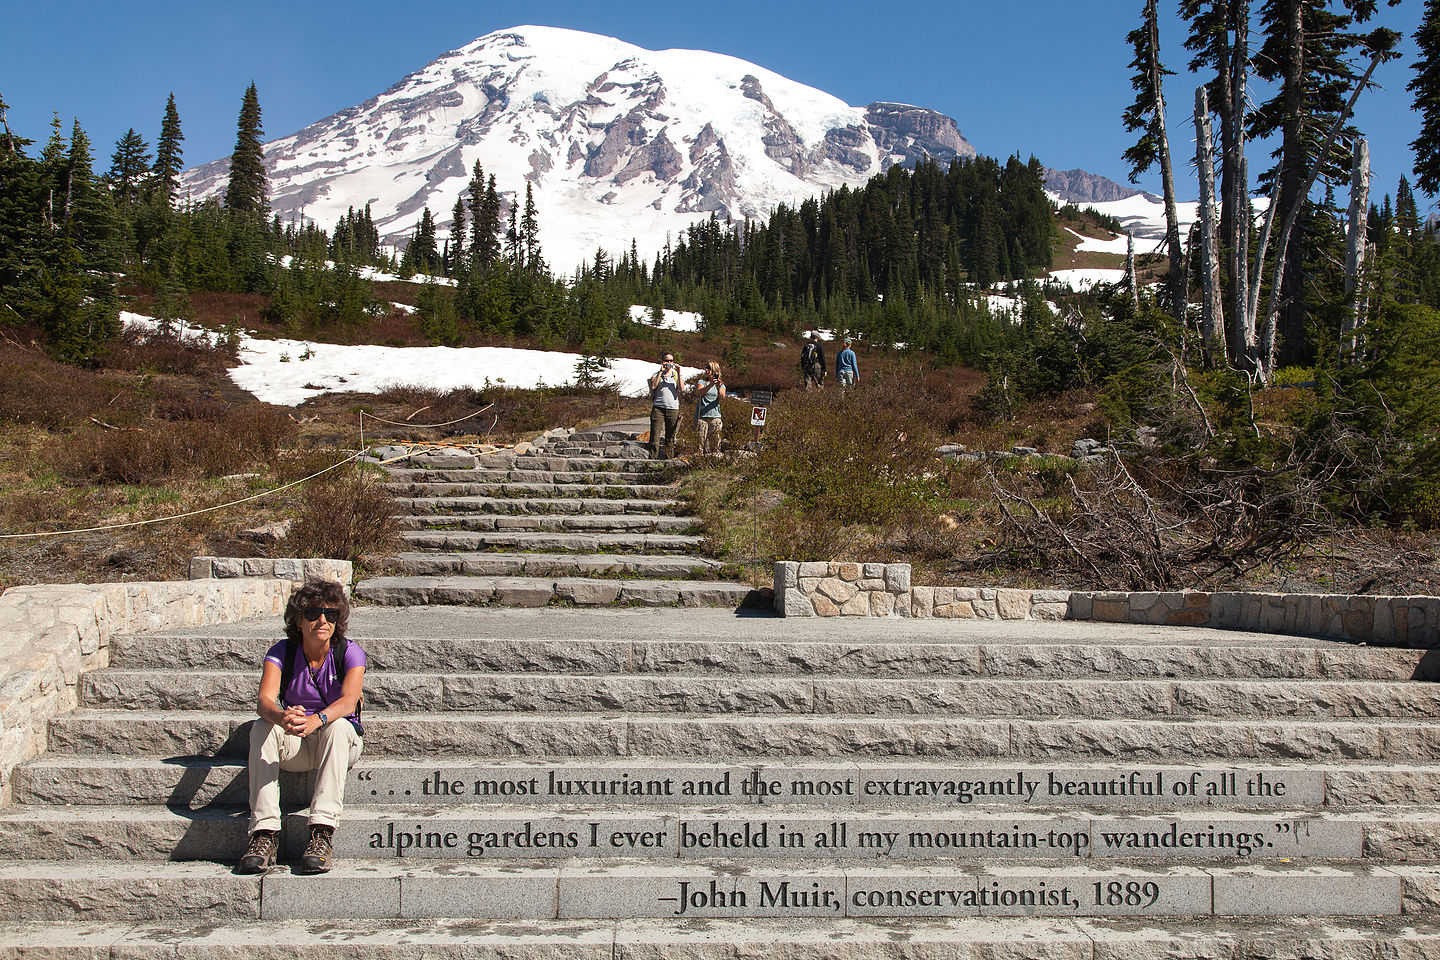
<point>696,783</point>
<point>583,519</point>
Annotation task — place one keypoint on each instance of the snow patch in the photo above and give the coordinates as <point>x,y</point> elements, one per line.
<point>289,372</point>
<point>681,321</point>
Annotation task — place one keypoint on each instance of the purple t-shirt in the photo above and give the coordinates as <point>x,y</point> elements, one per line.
<point>315,689</point>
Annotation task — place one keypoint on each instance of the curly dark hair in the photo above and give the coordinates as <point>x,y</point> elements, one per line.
<point>317,593</point>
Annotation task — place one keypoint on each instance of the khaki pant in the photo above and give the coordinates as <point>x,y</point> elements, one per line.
<point>330,751</point>
<point>709,427</point>
<point>663,418</point>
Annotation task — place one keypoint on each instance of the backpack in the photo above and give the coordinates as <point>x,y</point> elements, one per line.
<point>337,656</point>
<point>809,355</point>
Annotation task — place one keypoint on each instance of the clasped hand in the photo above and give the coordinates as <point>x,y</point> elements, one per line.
<point>297,722</point>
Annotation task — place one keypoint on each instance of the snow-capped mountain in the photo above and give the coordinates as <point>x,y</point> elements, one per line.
<point>619,142</point>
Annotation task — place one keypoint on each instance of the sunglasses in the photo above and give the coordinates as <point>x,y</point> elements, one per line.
<point>313,613</point>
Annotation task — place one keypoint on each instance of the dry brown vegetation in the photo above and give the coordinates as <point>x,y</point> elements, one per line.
<point>854,477</point>
<point>159,430</point>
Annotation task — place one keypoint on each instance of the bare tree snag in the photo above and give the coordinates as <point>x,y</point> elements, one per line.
<point>1355,299</point>
<point>1212,307</point>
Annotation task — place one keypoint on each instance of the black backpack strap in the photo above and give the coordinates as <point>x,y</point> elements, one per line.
<point>287,667</point>
<point>338,649</point>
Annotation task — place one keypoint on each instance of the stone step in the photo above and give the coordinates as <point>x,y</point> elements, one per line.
<point>539,591</point>
<point>546,541</point>
<point>518,473</point>
<point>471,735</point>
<point>547,459</point>
<point>610,450</point>
<point>148,833</point>
<point>541,506</point>
<point>610,432</point>
<point>664,651</point>
<point>201,894</point>
<point>665,783</point>
<point>608,491</point>
<point>605,523</point>
<point>548,565</point>
<point>442,938</point>
<point>877,697</point>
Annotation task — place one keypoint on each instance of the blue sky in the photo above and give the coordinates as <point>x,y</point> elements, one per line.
<point>1042,77</point>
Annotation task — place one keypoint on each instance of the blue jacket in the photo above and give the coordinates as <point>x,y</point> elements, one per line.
<point>846,361</point>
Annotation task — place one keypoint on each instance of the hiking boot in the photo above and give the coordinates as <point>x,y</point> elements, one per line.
<point>264,845</point>
<point>316,858</point>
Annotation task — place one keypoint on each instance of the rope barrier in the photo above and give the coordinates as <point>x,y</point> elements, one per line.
<point>423,426</point>
<point>264,493</point>
<point>179,516</point>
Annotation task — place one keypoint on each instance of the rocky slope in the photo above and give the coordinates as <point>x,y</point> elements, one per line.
<point>618,142</point>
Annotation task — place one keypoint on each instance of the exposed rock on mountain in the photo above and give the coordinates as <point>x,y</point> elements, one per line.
<point>1080,186</point>
<point>618,142</point>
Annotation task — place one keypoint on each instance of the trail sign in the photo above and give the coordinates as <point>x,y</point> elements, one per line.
<point>757,416</point>
<point>761,398</point>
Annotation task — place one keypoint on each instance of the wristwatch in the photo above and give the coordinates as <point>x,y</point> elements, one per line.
<point>323,719</point>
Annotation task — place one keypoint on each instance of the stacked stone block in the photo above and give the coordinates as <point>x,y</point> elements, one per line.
<point>296,570</point>
<point>842,589</point>
<point>988,603</point>
<point>50,635</point>
<point>857,589</point>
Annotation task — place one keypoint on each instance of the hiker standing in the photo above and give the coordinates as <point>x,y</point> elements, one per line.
<point>309,707</point>
<point>665,406</point>
<point>847,371</point>
<point>812,362</point>
<point>709,391</point>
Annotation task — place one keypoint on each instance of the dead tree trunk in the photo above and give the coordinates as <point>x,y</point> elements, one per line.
<point>1357,303</point>
<point>1130,276</point>
<point>1212,307</point>
<point>1292,215</point>
<point>1177,283</point>
<point>1241,319</point>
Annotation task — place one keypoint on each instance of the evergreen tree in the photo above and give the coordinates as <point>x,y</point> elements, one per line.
<point>168,153</point>
<point>1426,87</point>
<point>421,254</point>
<point>247,193</point>
<point>1147,114</point>
<point>455,246</point>
<point>128,166</point>
<point>530,234</point>
<point>1307,52</point>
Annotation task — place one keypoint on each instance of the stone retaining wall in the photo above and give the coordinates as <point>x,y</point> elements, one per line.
<point>831,589</point>
<point>293,569</point>
<point>839,589</point>
<point>989,603</point>
<point>49,635</point>
<point>1383,621</point>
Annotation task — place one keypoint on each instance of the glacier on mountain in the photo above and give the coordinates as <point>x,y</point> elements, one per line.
<point>620,144</point>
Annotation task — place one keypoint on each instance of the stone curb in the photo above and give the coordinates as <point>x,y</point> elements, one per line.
<point>294,569</point>
<point>838,588</point>
<point>51,634</point>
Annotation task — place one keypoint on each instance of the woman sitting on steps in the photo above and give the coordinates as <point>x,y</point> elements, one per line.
<point>309,706</point>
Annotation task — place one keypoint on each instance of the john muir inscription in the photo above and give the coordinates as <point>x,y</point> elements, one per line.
<point>859,786</point>
<point>966,837</point>
<point>924,892</point>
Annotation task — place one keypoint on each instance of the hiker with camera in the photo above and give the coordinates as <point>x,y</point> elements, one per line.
<point>709,391</point>
<point>665,390</point>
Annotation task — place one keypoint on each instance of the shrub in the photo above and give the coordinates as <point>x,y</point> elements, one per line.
<point>860,457</point>
<point>180,450</point>
<point>345,514</point>
<point>160,352</point>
